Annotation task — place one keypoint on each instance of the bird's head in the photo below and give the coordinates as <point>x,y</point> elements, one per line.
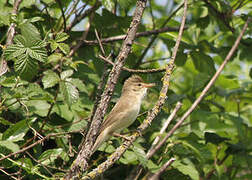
<point>135,85</point>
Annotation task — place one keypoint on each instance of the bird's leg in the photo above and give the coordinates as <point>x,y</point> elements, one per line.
<point>121,136</point>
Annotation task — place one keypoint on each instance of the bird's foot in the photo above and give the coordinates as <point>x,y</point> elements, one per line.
<point>121,136</point>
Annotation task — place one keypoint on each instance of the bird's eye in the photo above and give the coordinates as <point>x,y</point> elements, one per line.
<point>139,84</point>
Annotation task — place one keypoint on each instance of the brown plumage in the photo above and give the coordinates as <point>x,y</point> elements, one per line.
<point>125,111</point>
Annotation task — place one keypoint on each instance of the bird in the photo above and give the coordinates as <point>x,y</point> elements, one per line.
<point>125,111</point>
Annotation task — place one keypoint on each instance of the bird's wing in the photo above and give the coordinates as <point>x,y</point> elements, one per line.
<point>116,113</point>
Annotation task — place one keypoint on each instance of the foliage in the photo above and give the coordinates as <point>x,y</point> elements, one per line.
<point>49,90</point>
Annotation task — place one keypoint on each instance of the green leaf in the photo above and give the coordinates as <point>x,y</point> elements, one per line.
<point>17,131</point>
<point>25,52</point>
<point>50,79</point>
<point>66,74</point>
<point>70,92</point>
<point>64,48</point>
<point>108,4</point>
<point>39,107</point>
<point>5,122</point>
<point>48,157</point>
<point>79,84</point>
<point>55,58</point>
<point>200,81</point>
<point>10,145</point>
<point>181,58</point>
<point>60,37</point>
<point>203,63</point>
<point>54,45</point>
<point>29,31</point>
<point>26,67</point>
<point>187,169</point>
<point>63,111</point>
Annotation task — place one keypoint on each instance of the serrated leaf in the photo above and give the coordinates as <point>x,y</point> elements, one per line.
<point>60,37</point>
<point>64,48</point>
<point>50,79</point>
<point>26,67</point>
<point>66,74</point>
<point>70,92</point>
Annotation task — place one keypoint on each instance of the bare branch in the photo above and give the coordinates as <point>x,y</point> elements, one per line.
<point>203,93</point>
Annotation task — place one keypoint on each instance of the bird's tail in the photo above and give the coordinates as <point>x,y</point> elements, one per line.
<point>103,136</point>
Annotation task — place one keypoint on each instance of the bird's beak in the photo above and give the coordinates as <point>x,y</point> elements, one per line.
<point>148,85</point>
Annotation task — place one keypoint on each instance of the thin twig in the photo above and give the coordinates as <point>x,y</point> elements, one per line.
<point>155,36</point>
<point>162,169</point>
<point>8,174</point>
<point>136,172</point>
<point>99,89</point>
<point>165,126</point>
<point>139,34</point>
<point>82,16</point>
<point>84,36</point>
<point>208,86</point>
<point>151,115</point>
<point>34,144</point>
<point>143,71</point>
<point>62,13</point>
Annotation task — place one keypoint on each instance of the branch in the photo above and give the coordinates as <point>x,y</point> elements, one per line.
<point>203,93</point>
<point>162,169</point>
<point>34,144</point>
<point>143,71</point>
<point>139,34</point>
<point>155,37</point>
<point>62,13</point>
<point>136,172</point>
<point>80,163</point>
<point>165,126</point>
<point>10,36</point>
<point>151,115</point>
<point>82,16</point>
<point>84,36</point>
<point>221,16</point>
